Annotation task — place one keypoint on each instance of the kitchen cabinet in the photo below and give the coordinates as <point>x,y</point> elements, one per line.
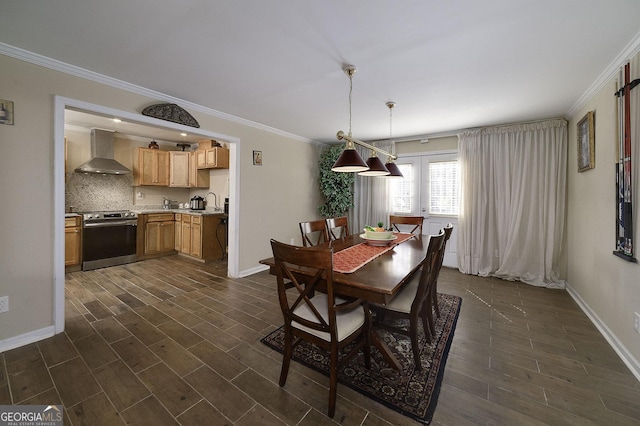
<point>183,171</point>
<point>159,233</point>
<point>201,236</point>
<point>72,243</point>
<point>213,158</point>
<point>151,167</point>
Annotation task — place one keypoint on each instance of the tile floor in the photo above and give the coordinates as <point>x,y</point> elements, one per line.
<point>171,341</point>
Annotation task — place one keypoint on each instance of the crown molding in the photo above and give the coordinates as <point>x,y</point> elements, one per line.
<point>54,64</point>
<point>610,72</point>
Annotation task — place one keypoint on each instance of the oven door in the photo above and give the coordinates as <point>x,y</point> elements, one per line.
<point>108,243</point>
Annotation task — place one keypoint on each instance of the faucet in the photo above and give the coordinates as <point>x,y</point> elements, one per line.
<point>215,202</point>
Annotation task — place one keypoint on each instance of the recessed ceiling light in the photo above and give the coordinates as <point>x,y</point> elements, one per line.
<point>183,134</point>
<point>117,120</point>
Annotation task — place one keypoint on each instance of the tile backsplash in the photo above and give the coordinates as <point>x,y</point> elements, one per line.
<point>94,192</point>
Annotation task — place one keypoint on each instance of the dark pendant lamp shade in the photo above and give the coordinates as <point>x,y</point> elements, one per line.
<point>376,167</point>
<point>349,162</point>
<point>394,171</point>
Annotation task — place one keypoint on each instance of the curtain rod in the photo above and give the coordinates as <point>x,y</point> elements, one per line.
<point>445,134</point>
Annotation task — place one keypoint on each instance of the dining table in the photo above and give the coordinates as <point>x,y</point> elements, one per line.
<point>378,279</point>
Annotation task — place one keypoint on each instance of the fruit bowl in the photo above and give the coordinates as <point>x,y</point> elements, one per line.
<point>378,241</point>
<point>378,235</point>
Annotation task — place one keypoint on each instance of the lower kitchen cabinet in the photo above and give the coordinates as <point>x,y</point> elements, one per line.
<point>158,233</point>
<point>201,237</point>
<point>72,243</point>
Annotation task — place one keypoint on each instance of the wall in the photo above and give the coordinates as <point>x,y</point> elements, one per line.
<point>607,287</point>
<point>94,192</point>
<point>271,199</point>
<point>446,143</point>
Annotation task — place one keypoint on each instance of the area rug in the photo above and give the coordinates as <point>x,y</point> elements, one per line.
<point>409,391</point>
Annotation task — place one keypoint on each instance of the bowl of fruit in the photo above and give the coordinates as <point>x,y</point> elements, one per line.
<point>377,233</point>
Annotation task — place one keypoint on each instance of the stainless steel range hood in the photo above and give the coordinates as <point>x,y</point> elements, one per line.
<point>102,160</point>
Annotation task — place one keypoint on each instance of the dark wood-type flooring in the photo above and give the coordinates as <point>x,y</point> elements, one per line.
<point>170,341</point>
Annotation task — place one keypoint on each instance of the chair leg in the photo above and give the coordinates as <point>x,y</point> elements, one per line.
<point>427,310</point>
<point>367,340</point>
<point>286,356</point>
<point>413,332</point>
<point>333,380</point>
<point>434,298</point>
<point>426,327</point>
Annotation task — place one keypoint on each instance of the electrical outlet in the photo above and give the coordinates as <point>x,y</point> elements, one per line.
<point>636,322</point>
<point>139,195</point>
<point>4,304</point>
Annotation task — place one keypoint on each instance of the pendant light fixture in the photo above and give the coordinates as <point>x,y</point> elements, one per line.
<point>349,160</point>
<point>394,171</point>
<point>376,167</point>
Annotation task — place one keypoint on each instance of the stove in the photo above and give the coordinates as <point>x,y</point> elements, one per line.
<point>106,216</point>
<point>109,238</point>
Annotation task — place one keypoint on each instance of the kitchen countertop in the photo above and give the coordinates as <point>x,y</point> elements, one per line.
<point>71,214</point>
<point>184,211</point>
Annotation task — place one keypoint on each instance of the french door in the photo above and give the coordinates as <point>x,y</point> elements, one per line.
<point>430,188</point>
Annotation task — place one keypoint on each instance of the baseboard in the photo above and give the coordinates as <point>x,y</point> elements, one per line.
<point>27,338</point>
<point>251,271</point>
<point>627,357</point>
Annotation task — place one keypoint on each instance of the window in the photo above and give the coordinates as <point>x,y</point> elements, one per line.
<point>403,189</point>
<point>444,188</point>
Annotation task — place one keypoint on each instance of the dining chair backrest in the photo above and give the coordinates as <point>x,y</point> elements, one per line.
<point>313,232</point>
<point>320,260</point>
<point>434,289</point>
<point>428,272</point>
<point>412,221</point>
<point>337,227</point>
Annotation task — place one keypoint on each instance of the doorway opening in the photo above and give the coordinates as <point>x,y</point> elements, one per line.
<point>143,123</point>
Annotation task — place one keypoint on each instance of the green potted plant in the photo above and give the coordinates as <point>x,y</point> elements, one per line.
<point>337,188</point>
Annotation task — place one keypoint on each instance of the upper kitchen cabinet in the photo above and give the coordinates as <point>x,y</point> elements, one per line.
<point>212,157</point>
<point>151,167</point>
<point>184,173</point>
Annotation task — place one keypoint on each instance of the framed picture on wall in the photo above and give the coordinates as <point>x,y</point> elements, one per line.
<point>586,143</point>
<point>6,112</point>
<point>257,158</point>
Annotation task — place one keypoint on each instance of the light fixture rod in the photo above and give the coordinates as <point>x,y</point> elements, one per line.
<point>340,135</point>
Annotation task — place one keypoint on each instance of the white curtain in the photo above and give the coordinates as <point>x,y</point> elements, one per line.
<point>371,195</point>
<point>513,181</point>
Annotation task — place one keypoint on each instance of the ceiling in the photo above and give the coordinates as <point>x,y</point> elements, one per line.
<point>448,65</point>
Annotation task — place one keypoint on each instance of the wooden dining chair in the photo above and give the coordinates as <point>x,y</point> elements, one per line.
<point>412,301</point>
<point>337,227</point>
<point>314,232</point>
<point>434,291</point>
<point>328,321</point>
<point>415,221</point>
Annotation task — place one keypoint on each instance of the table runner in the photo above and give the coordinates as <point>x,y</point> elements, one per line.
<point>353,258</point>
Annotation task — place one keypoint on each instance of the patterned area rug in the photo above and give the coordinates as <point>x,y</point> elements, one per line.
<point>410,392</point>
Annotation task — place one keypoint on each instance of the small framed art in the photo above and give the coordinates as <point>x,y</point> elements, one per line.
<point>257,158</point>
<point>586,142</point>
<point>6,112</point>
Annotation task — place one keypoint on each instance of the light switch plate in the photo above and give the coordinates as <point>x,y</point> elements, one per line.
<point>636,322</point>
<point>4,304</point>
